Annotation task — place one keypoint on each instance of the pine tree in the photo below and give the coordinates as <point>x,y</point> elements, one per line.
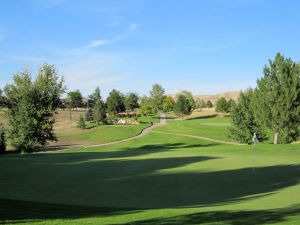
<point>244,124</point>
<point>115,102</point>
<point>222,105</point>
<point>278,94</point>
<point>81,123</point>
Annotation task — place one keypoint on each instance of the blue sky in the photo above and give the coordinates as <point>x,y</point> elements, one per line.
<point>203,46</point>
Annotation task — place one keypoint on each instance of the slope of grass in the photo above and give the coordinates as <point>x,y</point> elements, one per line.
<point>156,179</point>
<point>210,126</point>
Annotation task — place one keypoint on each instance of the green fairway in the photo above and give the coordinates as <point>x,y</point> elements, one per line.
<point>157,179</point>
<point>210,126</point>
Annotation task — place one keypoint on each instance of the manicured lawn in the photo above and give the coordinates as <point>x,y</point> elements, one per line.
<point>98,134</point>
<point>211,126</point>
<point>157,179</point>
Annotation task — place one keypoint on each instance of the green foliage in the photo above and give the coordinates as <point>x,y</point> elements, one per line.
<point>168,104</point>
<point>244,124</point>
<point>209,104</point>
<point>189,96</point>
<point>158,95</point>
<point>94,97</point>
<point>2,139</point>
<point>75,99</point>
<point>81,123</point>
<point>100,111</point>
<point>230,104</point>
<point>278,95</point>
<point>147,106</point>
<point>131,101</point>
<point>31,107</point>
<point>89,115</point>
<point>222,105</point>
<point>200,104</point>
<point>2,99</point>
<point>115,102</point>
<point>183,106</point>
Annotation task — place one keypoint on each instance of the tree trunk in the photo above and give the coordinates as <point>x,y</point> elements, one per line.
<point>276,137</point>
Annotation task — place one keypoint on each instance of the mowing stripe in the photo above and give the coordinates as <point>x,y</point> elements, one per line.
<point>199,137</point>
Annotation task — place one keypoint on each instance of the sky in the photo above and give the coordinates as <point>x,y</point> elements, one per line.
<point>204,46</point>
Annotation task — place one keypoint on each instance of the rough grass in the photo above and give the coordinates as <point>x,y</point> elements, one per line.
<point>156,179</point>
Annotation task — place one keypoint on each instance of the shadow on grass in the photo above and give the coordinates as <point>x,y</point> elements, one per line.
<point>14,211</point>
<point>226,217</point>
<point>108,179</point>
<point>203,117</point>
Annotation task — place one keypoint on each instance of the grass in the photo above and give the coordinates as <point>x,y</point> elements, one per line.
<point>211,126</point>
<point>157,179</point>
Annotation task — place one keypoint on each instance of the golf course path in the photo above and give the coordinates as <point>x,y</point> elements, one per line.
<point>141,134</point>
<point>200,137</point>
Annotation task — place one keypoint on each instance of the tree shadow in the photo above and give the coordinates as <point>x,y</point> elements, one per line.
<point>227,217</point>
<point>88,178</point>
<point>203,117</point>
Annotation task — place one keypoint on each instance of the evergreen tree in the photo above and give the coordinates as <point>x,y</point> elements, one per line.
<point>100,111</point>
<point>115,102</point>
<point>31,107</point>
<point>278,94</point>
<point>94,97</point>
<point>222,105</point>
<point>183,106</point>
<point>209,104</point>
<point>89,115</point>
<point>230,104</point>
<point>244,124</point>
<point>81,123</point>
<point>131,101</point>
<point>158,95</point>
<point>168,104</point>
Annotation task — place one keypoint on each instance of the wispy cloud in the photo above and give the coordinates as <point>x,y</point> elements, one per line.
<point>132,29</point>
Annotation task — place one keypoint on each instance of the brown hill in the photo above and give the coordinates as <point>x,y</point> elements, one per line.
<point>228,95</point>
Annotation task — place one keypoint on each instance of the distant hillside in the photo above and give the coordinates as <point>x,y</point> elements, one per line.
<point>228,95</point>
<point>233,95</point>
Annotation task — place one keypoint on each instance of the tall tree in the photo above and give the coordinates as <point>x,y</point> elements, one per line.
<point>168,104</point>
<point>209,104</point>
<point>99,111</point>
<point>244,123</point>
<point>189,96</point>
<point>147,106</point>
<point>115,102</point>
<point>158,95</point>
<point>278,94</point>
<point>94,97</point>
<point>131,101</point>
<point>222,105</point>
<point>183,106</point>
<point>75,99</point>
<point>31,107</point>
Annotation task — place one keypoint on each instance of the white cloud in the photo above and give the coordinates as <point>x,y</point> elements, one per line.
<point>97,43</point>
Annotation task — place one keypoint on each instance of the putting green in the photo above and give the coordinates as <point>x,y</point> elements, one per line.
<point>157,179</point>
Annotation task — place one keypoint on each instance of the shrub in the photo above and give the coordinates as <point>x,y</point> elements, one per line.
<point>81,123</point>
